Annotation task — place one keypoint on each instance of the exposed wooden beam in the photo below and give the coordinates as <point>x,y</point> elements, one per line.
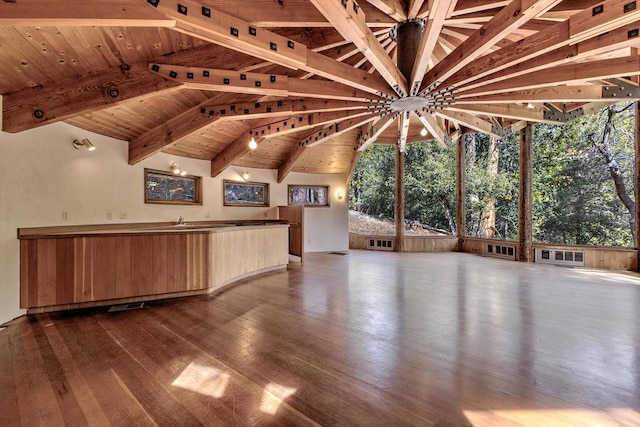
<point>414,6</point>
<point>235,150</point>
<point>464,7</point>
<point>504,22</point>
<point>216,27</point>
<point>469,121</point>
<point>433,127</point>
<point>353,163</point>
<point>371,132</point>
<point>276,108</point>
<point>263,84</point>
<point>289,163</point>
<point>33,107</point>
<point>88,13</point>
<point>302,122</point>
<point>560,94</point>
<point>439,11</point>
<point>515,112</point>
<point>169,133</point>
<point>393,8</point>
<point>349,19</point>
<point>560,75</point>
<point>403,130</point>
<point>546,42</point>
<point>335,129</point>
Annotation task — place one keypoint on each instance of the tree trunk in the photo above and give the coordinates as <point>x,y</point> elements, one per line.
<point>447,210</point>
<point>604,148</point>
<point>488,227</point>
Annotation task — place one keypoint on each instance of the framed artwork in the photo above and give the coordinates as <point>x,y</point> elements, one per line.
<point>240,193</point>
<point>309,195</point>
<point>167,188</point>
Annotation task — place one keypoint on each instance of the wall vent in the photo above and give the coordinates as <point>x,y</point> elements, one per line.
<point>560,257</point>
<point>378,244</point>
<point>501,251</point>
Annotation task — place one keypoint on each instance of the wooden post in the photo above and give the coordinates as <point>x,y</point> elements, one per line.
<point>525,211</point>
<point>636,177</point>
<point>399,200</point>
<point>460,192</point>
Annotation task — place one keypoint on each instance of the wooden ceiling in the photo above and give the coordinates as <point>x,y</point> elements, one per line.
<point>313,81</point>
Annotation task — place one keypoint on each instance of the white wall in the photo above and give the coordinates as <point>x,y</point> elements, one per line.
<point>42,175</point>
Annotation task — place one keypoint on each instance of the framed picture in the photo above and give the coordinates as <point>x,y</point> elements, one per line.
<point>239,193</point>
<point>309,195</point>
<point>167,188</point>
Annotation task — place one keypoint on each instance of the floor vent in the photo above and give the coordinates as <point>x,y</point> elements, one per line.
<point>560,257</point>
<point>125,307</point>
<point>501,251</point>
<point>378,244</point>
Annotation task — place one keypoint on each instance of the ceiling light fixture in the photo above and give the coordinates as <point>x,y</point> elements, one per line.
<point>175,168</point>
<point>253,144</point>
<point>423,132</point>
<point>84,143</point>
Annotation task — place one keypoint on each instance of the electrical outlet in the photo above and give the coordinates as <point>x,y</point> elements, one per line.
<point>123,215</point>
<point>65,215</point>
<point>109,216</point>
<point>207,214</point>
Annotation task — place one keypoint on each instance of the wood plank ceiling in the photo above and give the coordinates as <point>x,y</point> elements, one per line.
<point>314,81</point>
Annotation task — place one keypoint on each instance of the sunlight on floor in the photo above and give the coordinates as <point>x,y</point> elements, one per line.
<point>205,380</point>
<point>609,276</point>
<point>619,417</point>
<point>273,396</point>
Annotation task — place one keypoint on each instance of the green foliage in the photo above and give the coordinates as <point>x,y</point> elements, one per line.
<point>574,197</point>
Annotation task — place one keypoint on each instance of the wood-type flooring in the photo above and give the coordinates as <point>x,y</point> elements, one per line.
<point>364,339</point>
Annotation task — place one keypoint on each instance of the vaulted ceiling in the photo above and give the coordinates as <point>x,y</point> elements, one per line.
<point>314,82</point>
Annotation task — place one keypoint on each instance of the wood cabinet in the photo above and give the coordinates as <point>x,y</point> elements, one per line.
<point>69,270</point>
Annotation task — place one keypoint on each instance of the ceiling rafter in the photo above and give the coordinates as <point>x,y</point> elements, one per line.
<point>257,83</point>
<point>349,19</point>
<point>469,121</point>
<point>433,127</point>
<point>369,133</point>
<point>562,94</point>
<point>200,21</point>
<point>439,11</point>
<point>621,38</point>
<point>39,106</point>
<point>571,73</point>
<point>545,41</point>
<point>514,15</point>
<point>393,8</point>
<point>205,114</point>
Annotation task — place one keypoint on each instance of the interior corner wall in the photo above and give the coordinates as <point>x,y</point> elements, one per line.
<point>42,175</point>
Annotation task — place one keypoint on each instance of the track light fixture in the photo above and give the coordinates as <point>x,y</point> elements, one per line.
<point>84,143</point>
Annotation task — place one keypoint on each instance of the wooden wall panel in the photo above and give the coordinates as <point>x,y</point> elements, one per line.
<point>239,253</point>
<point>411,243</point>
<point>86,269</point>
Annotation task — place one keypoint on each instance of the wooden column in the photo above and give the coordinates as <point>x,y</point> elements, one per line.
<point>525,211</point>
<point>636,177</point>
<point>399,200</point>
<point>460,192</point>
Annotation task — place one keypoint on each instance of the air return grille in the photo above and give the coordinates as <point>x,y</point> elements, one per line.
<point>560,257</point>
<point>501,251</point>
<point>378,244</point>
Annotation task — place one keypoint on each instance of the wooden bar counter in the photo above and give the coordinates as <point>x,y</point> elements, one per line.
<point>65,268</point>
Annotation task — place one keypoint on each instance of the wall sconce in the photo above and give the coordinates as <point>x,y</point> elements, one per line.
<point>245,176</point>
<point>175,168</point>
<point>340,195</point>
<point>84,143</point>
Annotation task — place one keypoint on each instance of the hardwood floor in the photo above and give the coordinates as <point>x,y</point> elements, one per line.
<point>368,338</point>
